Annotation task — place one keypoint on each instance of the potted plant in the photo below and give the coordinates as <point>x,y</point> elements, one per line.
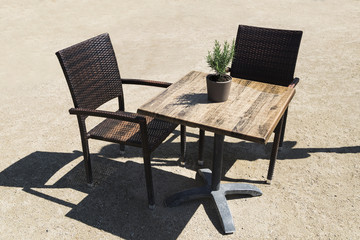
<point>218,84</point>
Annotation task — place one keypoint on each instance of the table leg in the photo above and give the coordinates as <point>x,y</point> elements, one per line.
<point>275,150</point>
<point>212,188</point>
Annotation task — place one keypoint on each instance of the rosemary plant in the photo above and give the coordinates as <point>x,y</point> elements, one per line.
<point>220,58</point>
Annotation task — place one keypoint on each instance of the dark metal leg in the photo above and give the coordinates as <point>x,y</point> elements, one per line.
<point>147,164</point>
<point>148,177</point>
<point>87,162</point>
<point>214,189</point>
<point>86,152</point>
<point>275,149</point>
<point>283,128</point>
<point>201,147</point>
<point>122,149</point>
<point>121,108</point>
<point>183,142</point>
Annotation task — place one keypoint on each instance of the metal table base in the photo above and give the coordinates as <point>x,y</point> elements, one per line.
<point>215,190</point>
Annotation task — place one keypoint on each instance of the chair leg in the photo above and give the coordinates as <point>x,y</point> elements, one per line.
<point>148,178</point>
<point>147,163</point>
<point>283,129</point>
<point>183,142</point>
<point>122,148</point>
<point>85,147</point>
<point>275,149</point>
<point>87,162</point>
<point>201,147</point>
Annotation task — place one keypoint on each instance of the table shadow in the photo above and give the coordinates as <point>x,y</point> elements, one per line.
<point>249,151</point>
<point>117,201</point>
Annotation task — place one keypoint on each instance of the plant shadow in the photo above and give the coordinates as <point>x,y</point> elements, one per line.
<point>193,99</point>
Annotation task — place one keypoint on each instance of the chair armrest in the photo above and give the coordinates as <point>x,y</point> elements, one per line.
<point>119,115</point>
<point>294,83</point>
<point>228,69</point>
<point>146,82</point>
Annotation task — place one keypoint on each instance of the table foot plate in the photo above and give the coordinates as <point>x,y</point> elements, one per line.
<point>217,195</point>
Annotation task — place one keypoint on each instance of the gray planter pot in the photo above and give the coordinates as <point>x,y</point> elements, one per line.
<point>217,91</point>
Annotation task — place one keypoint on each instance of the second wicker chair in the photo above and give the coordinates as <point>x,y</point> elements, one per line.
<point>265,55</point>
<point>93,77</point>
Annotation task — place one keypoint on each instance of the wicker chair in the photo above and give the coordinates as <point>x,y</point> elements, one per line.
<point>93,77</point>
<point>265,55</point>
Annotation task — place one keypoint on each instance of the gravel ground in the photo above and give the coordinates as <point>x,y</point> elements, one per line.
<point>43,194</point>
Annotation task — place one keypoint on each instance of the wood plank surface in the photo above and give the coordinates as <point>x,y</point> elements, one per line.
<point>251,113</point>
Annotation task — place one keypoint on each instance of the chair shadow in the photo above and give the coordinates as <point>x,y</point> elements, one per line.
<point>116,203</point>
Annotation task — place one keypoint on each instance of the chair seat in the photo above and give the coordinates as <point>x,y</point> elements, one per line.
<point>128,133</point>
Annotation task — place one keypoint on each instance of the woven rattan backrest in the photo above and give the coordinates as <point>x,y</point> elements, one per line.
<point>91,71</point>
<point>266,55</point>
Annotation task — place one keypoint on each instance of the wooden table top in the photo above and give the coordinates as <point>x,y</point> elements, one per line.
<point>251,113</point>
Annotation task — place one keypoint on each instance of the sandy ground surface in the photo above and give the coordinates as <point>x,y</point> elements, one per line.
<point>315,193</point>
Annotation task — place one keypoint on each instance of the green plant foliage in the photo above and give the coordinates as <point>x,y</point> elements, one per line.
<point>221,57</point>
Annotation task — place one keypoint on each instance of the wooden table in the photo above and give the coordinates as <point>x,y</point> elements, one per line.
<point>252,112</point>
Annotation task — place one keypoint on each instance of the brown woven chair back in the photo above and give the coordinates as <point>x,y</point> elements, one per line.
<point>266,55</point>
<point>91,71</point>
